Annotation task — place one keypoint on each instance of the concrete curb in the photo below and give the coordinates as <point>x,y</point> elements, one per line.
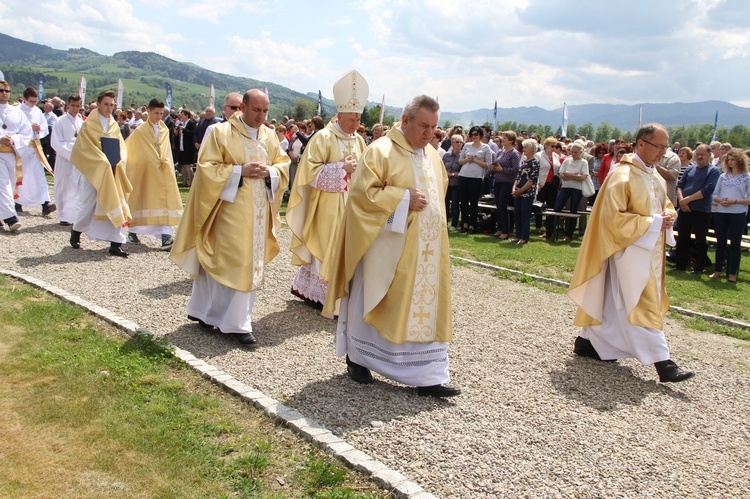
<point>397,484</point>
<point>557,282</point>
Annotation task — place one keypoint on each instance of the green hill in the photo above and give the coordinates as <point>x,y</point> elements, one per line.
<point>143,74</point>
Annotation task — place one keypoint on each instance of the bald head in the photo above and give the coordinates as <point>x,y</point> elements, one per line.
<point>254,107</point>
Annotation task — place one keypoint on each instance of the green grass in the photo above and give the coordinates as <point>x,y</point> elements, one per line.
<point>557,260</point>
<point>86,411</point>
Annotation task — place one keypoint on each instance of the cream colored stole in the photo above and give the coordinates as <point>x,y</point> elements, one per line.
<point>421,325</point>
<point>255,150</point>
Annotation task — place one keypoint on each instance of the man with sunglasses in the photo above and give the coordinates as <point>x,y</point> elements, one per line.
<point>15,134</point>
<point>618,282</point>
<point>231,105</point>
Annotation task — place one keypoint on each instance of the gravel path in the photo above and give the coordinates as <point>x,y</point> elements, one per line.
<point>533,421</point>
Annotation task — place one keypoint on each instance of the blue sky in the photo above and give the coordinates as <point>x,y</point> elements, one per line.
<point>522,52</point>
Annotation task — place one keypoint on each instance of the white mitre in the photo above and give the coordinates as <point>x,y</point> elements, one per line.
<point>351,92</point>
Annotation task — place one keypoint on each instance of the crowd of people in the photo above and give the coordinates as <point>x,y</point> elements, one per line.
<point>363,206</point>
<point>516,172</point>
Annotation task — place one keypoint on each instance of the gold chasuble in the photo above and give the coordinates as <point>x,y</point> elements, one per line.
<point>112,188</point>
<point>315,211</point>
<point>155,199</point>
<point>232,241</point>
<point>406,276</point>
<point>623,212</point>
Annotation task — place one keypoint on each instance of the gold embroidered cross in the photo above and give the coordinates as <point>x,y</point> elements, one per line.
<point>421,315</point>
<point>259,217</point>
<point>427,252</point>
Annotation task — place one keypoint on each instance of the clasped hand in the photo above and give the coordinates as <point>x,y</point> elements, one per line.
<point>255,169</point>
<point>667,221</point>
<point>350,164</point>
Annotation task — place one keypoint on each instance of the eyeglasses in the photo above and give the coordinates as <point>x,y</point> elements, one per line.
<point>233,108</point>
<point>621,153</point>
<point>474,135</point>
<point>4,91</point>
<point>661,148</point>
<point>458,141</point>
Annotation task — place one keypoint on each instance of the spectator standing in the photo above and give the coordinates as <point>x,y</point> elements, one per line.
<point>573,172</point>
<point>505,168</point>
<point>476,158</point>
<point>452,168</point>
<point>730,199</point>
<point>524,191</point>
<point>694,191</point>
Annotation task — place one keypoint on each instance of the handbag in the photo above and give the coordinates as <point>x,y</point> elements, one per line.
<point>587,187</point>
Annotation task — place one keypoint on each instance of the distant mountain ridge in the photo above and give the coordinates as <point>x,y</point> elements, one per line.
<point>145,73</point>
<point>624,117</point>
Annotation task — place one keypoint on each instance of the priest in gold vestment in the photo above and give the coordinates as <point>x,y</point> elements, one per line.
<point>391,267</point>
<point>318,196</point>
<point>155,203</point>
<point>618,283</point>
<point>103,210</point>
<point>228,231</point>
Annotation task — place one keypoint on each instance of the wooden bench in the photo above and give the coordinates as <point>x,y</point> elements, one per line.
<point>711,239</point>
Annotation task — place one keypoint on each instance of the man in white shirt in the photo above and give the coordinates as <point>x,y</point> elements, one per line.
<point>67,176</point>
<point>33,191</point>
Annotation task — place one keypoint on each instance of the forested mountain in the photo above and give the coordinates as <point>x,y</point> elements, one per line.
<point>144,75</point>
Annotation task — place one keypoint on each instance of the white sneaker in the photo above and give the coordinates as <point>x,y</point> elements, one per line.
<point>14,227</point>
<point>452,229</point>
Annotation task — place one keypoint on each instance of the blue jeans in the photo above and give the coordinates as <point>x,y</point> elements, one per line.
<point>574,195</point>
<point>503,191</point>
<point>728,225</point>
<point>522,214</point>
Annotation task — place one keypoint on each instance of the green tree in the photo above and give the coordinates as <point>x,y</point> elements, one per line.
<point>587,130</point>
<point>603,132</point>
<point>303,109</point>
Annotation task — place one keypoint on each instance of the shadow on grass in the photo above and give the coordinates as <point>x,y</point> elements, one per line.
<point>606,386</point>
<point>147,345</point>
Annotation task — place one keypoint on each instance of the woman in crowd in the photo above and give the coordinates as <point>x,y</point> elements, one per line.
<point>686,155</point>
<point>730,200</point>
<point>435,142</point>
<point>549,181</point>
<point>476,157</point>
<point>600,151</point>
<point>573,172</point>
<point>506,169</point>
<point>452,167</point>
<point>524,191</point>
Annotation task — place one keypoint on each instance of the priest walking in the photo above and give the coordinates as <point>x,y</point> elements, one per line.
<point>618,282</point>
<point>321,185</point>
<point>155,203</point>
<point>391,267</point>
<point>228,231</point>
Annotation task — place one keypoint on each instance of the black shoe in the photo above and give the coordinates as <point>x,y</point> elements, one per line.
<point>202,324</point>
<point>133,238</point>
<point>116,250</point>
<point>669,372</point>
<point>48,208</point>
<point>441,391</point>
<point>66,224</point>
<point>75,239</point>
<point>358,373</point>
<point>245,338</point>
<point>166,242</point>
<point>584,348</point>
<point>19,208</point>
<point>697,271</point>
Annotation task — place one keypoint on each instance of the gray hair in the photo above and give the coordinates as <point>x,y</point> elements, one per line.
<point>529,142</point>
<point>575,145</point>
<point>421,101</point>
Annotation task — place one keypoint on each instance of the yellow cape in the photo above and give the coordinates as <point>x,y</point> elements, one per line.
<point>217,235</point>
<point>155,199</point>
<point>383,174</point>
<point>112,191</point>
<point>314,215</point>
<point>621,215</point>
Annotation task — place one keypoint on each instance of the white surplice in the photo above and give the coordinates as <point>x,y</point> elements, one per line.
<point>33,191</point>
<point>67,177</point>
